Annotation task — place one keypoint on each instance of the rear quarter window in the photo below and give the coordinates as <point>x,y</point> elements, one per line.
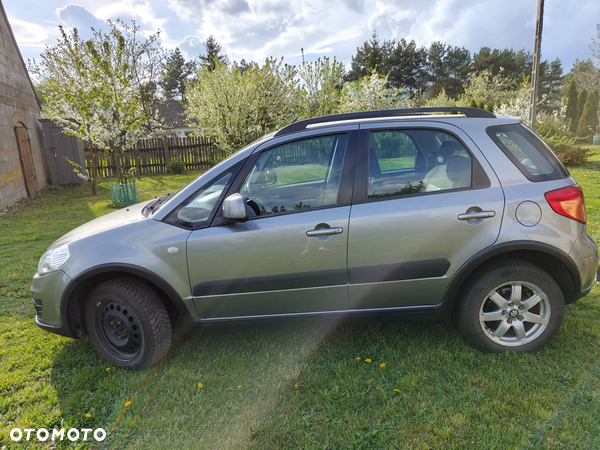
<point>528,152</point>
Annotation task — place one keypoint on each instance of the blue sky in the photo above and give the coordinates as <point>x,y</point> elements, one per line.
<point>255,29</point>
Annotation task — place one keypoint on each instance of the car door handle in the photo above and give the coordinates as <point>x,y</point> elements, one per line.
<point>477,215</point>
<point>324,232</point>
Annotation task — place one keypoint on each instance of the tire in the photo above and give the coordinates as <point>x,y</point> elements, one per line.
<point>510,306</point>
<point>127,323</point>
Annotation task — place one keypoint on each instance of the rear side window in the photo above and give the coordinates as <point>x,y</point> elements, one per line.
<point>527,151</point>
<point>394,150</point>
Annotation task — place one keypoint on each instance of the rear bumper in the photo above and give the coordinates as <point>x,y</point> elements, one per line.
<point>585,255</point>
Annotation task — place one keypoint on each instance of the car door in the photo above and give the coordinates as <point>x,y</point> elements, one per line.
<point>290,256</point>
<point>425,202</point>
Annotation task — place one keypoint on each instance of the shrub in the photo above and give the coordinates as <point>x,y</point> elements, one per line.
<point>567,151</point>
<point>562,142</point>
<point>176,166</point>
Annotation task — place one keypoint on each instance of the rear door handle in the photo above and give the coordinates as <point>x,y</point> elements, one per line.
<point>324,232</point>
<point>477,215</point>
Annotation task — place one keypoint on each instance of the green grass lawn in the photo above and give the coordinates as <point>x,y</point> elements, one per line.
<point>291,386</point>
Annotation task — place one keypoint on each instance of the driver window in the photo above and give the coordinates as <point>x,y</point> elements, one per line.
<point>198,209</point>
<point>296,176</point>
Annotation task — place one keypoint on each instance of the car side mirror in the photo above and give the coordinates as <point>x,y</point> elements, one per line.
<point>235,209</point>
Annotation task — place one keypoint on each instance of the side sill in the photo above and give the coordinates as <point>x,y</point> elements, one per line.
<point>422,313</point>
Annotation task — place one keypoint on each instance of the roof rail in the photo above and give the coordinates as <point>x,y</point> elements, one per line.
<point>467,111</point>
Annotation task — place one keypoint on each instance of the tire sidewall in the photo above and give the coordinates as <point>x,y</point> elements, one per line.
<point>106,293</point>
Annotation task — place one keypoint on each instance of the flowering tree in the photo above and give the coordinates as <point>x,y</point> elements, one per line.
<point>322,81</point>
<point>487,88</point>
<point>102,90</point>
<point>233,106</point>
<point>518,104</point>
<point>371,93</point>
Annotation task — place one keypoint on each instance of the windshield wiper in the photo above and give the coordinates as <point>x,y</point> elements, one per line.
<point>154,205</point>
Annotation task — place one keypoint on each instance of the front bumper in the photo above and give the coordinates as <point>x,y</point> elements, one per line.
<point>46,294</point>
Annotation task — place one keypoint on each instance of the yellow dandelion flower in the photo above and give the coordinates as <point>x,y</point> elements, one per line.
<point>358,358</point>
<point>382,365</point>
<point>396,390</point>
<point>88,415</point>
<point>368,360</point>
<point>240,386</point>
<point>127,404</point>
<point>200,385</point>
<point>107,369</point>
<point>296,386</point>
<point>78,414</point>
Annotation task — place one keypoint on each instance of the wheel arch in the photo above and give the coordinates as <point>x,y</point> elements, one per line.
<point>554,261</point>
<point>79,288</point>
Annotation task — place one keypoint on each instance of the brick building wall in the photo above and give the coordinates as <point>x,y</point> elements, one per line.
<point>18,108</point>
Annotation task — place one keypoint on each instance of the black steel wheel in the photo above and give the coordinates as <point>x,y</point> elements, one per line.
<point>127,323</point>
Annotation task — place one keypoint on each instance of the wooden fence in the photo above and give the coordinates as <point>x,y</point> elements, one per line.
<point>153,156</point>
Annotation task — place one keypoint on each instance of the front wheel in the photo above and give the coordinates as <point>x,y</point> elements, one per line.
<point>511,306</point>
<point>127,323</point>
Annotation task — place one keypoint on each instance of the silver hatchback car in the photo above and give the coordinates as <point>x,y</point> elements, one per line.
<point>399,212</point>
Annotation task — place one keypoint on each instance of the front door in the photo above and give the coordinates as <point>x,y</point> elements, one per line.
<point>290,256</point>
<point>26,158</point>
<point>427,206</point>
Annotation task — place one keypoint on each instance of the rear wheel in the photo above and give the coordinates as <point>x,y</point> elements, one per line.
<point>511,306</point>
<point>127,323</point>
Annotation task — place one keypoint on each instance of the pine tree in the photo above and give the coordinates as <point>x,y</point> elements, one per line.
<point>581,99</point>
<point>588,124</point>
<point>570,101</point>
<point>213,54</point>
<point>175,73</point>
<point>594,122</point>
<point>373,55</point>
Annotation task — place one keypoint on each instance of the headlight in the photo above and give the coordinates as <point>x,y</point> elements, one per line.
<point>53,259</point>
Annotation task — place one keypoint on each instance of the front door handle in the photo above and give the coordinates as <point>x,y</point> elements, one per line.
<point>477,215</point>
<point>324,232</point>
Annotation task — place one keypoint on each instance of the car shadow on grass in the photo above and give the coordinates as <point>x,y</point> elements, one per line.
<point>324,385</point>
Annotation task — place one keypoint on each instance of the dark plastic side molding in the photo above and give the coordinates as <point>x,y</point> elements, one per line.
<point>506,247</point>
<point>121,268</point>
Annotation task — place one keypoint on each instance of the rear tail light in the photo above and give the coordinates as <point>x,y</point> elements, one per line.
<point>568,202</point>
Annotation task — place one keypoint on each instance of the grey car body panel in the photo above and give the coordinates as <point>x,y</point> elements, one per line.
<point>157,246</point>
<point>268,247</point>
<point>263,254</point>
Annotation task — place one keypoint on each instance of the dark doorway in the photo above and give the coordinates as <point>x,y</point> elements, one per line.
<point>26,158</point>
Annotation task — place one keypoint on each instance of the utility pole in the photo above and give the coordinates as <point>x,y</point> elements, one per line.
<point>537,51</point>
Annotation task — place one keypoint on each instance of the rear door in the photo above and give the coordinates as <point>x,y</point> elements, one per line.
<point>425,201</point>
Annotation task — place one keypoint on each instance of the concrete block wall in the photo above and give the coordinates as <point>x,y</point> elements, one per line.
<point>18,106</point>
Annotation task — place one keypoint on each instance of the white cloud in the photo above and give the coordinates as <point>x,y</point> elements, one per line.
<point>28,33</point>
<point>139,10</point>
<point>76,16</point>
<point>255,29</point>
